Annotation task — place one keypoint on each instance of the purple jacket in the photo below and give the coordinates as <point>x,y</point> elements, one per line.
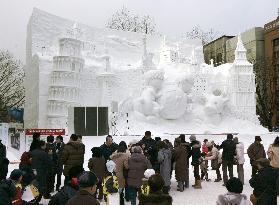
<point>137,165</point>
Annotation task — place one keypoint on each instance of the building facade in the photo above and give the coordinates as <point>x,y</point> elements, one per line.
<point>216,50</point>
<point>271,37</point>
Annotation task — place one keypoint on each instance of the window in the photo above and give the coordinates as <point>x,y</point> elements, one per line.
<point>73,66</point>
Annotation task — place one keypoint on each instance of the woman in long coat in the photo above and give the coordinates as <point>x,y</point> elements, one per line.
<point>179,156</point>
<point>164,159</point>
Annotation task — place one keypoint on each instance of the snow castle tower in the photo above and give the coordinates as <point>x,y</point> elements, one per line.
<point>242,85</point>
<point>65,82</point>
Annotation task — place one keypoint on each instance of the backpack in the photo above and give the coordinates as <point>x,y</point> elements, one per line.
<point>110,185</point>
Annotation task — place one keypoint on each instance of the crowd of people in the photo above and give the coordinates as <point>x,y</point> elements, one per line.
<point>142,169</point>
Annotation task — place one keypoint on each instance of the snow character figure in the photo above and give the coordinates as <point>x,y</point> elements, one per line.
<point>147,104</point>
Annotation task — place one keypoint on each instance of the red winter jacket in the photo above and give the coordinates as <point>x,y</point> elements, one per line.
<point>204,149</point>
<point>17,200</point>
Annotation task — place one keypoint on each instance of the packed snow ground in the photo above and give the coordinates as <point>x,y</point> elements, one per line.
<point>210,190</point>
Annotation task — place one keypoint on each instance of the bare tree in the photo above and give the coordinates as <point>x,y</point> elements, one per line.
<point>205,36</point>
<point>11,84</point>
<point>126,21</point>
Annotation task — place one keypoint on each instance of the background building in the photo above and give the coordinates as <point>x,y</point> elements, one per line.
<point>271,37</point>
<point>253,40</point>
<point>216,50</point>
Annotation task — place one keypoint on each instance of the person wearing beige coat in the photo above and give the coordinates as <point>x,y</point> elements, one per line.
<point>273,153</point>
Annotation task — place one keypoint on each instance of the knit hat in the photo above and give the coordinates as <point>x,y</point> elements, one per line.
<point>16,174</point>
<point>87,179</point>
<point>192,138</point>
<point>148,173</point>
<point>137,149</point>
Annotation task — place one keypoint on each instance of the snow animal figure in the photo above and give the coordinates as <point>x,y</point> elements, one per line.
<point>147,105</point>
<point>173,103</point>
<point>215,108</point>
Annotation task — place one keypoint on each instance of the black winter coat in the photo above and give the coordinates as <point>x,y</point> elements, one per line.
<point>150,151</point>
<point>157,198</point>
<point>63,196</point>
<point>7,192</point>
<point>264,184</point>
<point>229,150</point>
<point>108,150</point>
<point>195,152</point>
<point>40,160</point>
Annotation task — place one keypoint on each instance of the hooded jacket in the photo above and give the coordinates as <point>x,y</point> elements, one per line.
<point>233,198</point>
<point>164,159</point>
<point>7,192</point>
<point>157,198</point>
<point>240,153</point>
<point>137,165</point>
<point>72,156</point>
<point>121,161</point>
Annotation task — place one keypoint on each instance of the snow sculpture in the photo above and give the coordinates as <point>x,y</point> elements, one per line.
<point>147,58</point>
<point>186,84</point>
<point>173,103</point>
<point>216,108</point>
<point>242,85</point>
<point>65,82</point>
<point>147,104</point>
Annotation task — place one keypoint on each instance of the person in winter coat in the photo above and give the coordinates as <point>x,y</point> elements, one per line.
<point>149,149</point>
<point>59,146</point>
<point>179,156</point>
<point>72,155</point>
<point>35,143</point>
<point>108,147</point>
<point>7,191</point>
<point>189,151</point>
<point>16,177</point>
<point>196,160</point>
<point>234,196</point>
<point>41,162</point>
<point>240,159</point>
<point>264,183</point>
<point>97,164</point>
<point>273,153</point>
<point>256,151</point>
<point>164,159</point>
<point>85,196</point>
<point>50,150</point>
<point>229,151</point>
<point>4,162</point>
<point>26,167</point>
<point>120,158</point>
<point>216,159</point>
<point>137,164</point>
<point>69,189</point>
<point>156,196</point>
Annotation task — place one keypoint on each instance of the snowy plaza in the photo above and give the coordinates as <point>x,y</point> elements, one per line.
<point>95,81</point>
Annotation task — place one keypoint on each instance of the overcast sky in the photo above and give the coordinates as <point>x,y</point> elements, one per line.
<point>173,17</point>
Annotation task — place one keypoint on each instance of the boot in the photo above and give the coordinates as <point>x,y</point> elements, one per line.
<point>206,178</point>
<point>218,179</point>
<point>195,183</point>
<point>186,184</point>
<point>198,185</point>
<point>180,186</point>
